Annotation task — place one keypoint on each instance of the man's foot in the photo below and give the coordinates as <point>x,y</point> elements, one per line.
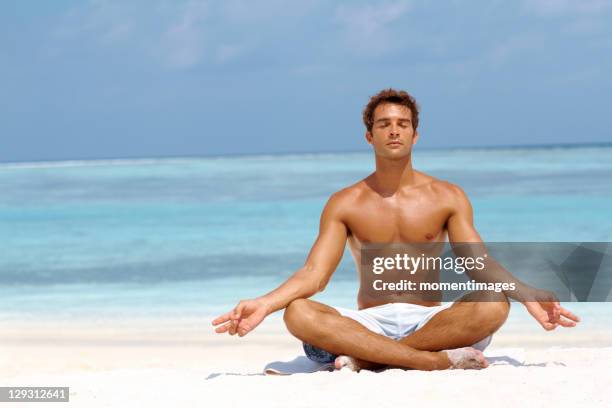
<point>466,358</point>
<point>347,362</point>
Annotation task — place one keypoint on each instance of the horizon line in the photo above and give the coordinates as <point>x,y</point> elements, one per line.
<point>296,153</point>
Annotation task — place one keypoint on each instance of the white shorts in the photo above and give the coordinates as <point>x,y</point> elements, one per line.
<point>398,320</point>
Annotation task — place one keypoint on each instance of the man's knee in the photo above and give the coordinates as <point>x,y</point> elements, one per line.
<point>491,311</point>
<point>299,313</point>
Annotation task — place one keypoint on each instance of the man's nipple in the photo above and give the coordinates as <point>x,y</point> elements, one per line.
<point>429,236</point>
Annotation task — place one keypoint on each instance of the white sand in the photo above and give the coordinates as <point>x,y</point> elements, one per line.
<point>182,363</point>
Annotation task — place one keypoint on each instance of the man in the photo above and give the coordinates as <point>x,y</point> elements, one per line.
<point>395,204</point>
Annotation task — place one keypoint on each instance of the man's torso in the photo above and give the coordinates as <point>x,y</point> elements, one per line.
<point>417,215</point>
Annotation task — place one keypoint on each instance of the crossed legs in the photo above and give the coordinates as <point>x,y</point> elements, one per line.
<point>461,325</point>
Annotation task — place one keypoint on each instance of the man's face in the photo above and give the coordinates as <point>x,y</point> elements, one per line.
<point>392,134</point>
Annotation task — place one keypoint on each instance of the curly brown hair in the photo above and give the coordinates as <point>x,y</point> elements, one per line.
<point>390,96</point>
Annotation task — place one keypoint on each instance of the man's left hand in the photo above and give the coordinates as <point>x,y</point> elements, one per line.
<point>547,310</point>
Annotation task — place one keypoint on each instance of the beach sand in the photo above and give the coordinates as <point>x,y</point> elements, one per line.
<point>183,363</point>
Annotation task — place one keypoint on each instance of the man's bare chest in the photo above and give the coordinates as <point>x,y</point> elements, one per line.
<point>400,221</point>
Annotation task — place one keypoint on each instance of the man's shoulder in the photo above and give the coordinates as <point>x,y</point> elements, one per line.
<point>348,197</point>
<point>444,188</point>
<point>349,193</point>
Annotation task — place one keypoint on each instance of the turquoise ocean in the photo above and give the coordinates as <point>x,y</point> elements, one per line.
<point>192,236</point>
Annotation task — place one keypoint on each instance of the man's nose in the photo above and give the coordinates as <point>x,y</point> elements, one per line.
<point>394,132</point>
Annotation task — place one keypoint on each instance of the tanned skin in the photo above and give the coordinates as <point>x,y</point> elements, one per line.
<point>395,204</point>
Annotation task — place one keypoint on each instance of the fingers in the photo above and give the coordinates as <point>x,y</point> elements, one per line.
<point>230,327</point>
<point>221,319</point>
<point>231,320</point>
<point>248,324</point>
<point>556,310</point>
<point>552,309</point>
<point>237,312</point>
<point>569,315</point>
<point>549,302</point>
<point>243,328</point>
<point>563,317</point>
<point>568,319</point>
<point>557,314</point>
<point>566,323</point>
<point>235,316</point>
<point>549,326</point>
<point>554,315</point>
<point>224,328</point>
<point>251,322</point>
<point>233,327</point>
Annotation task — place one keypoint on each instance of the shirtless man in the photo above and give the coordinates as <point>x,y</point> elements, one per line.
<point>395,204</point>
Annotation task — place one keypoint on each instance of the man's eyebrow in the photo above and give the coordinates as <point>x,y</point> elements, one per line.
<point>385,119</point>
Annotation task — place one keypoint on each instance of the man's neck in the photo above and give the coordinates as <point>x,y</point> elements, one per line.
<point>391,175</point>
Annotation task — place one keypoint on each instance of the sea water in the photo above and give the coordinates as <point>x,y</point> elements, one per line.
<point>192,236</point>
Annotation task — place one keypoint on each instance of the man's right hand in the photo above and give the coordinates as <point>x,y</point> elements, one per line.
<point>243,318</point>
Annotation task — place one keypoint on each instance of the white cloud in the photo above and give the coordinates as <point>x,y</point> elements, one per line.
<point>177,34</point>
<point>248,11</point>
<point>109,22</point>
<point>514,47</point>
<point>183,43</point>
<point>369,26</point>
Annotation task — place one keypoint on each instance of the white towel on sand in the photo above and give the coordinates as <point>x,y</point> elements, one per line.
<point>303,365</point>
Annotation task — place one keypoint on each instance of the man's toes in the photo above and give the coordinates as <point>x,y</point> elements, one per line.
<point>481,360</point>
<point>346,362</point>
<point>467,358</point>
<point>339,363</point>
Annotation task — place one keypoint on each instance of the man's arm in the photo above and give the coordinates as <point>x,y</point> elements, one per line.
<point>311,278</point>
<point>466,242</point>
<point>542,305</point>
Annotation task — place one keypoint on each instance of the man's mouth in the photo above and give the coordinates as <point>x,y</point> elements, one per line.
<point>394,143</point>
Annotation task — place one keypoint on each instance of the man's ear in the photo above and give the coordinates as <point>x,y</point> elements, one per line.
<point>415,137</point>
<point>368,136</point>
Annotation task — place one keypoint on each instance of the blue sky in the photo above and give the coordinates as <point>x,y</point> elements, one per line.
<point>110,79</point>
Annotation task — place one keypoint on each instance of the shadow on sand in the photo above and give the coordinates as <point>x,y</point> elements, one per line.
<point>493,361</point>
<point>505,360</point>
<point>215,375</point>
